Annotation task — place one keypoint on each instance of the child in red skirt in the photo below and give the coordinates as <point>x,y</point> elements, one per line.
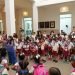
<point>70,47</point>
<point>65,52</point>
<point>33,49</point>
<point>55,48</point>
<point>26,49</point>
<point>19,46</point>
<point>43,48</point>
<point>49,50</point>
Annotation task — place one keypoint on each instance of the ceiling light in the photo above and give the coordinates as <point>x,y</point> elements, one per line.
<point>64,9</point>
<point>25,13</point>
<point>0,20</point>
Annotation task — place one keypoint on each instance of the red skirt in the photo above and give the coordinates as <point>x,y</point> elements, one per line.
<point>34,52</point>
<point>43,52</point>
<point>19,50</point>
<point>55,53</point>
<point>65,53</point>
<point>26,52</point>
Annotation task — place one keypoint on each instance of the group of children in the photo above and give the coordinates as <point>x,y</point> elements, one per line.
<point>54,46</point>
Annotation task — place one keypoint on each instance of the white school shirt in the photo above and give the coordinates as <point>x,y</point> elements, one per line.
<point>46,42</point>
<point>70,45</point>
<point>42,46</point>
<point>4,61</point>
<point>55,47</point>
<point>60,43</point>
<point>36,47</point>
<point>1,37</point>
<point>52,43</point>
<point>20,45</point>
<point>26,47</point>
<point>44,35</point>
<point>33,36</point>
<point>62,36</point>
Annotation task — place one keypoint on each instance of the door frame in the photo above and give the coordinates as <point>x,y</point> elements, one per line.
<point>71,19</point>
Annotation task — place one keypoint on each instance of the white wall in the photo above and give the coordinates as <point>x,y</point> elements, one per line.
<point>52,13</point>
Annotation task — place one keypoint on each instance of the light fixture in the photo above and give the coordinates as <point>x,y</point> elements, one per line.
<point>64,9</point>
<point>25,13</point>
<point>0,20</point>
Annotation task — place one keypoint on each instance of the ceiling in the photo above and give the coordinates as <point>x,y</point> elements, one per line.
<point>50,2</point>
<point>18,4</point>
<point>23,4</point>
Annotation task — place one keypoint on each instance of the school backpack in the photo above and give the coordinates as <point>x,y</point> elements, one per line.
<point>23,72</point>
<point>40,70</point>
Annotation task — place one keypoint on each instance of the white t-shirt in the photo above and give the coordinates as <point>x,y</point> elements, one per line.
<point>4,70</point>
<point>4,61</point>
<point>1,37</point>
<point>70,45</point>
<point>55,47</point>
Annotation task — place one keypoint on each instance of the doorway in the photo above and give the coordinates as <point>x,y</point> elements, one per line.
<point>27,26</point>
<point>65,23</point>
<point>1,26</point>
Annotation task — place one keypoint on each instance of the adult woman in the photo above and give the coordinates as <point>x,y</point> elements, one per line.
<point>11,51</point>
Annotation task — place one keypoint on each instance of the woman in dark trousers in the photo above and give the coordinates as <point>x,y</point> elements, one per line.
<point>11,51</point>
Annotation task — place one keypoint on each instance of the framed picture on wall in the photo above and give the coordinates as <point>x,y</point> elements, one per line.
<point>41,25</point>
<point>52,24</point>
<point>47,24</point>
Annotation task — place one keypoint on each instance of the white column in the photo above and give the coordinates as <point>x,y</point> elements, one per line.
<point>10,17</point>
<point>35,17</point>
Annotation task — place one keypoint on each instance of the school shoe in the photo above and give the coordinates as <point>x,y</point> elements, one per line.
<point>55,61</point>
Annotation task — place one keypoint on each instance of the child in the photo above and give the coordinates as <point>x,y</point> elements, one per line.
<point>3,70</point>
<point>3,57</point>
<point>26,49</point>
<point>65,52</point>
<point>55,48</point>
<point>19,46</point>
<point>38,68</point>
<point>23,68</point>
<point>70,47</point>
<point>54,71</point>
<point>43,48</point>
<point>50,50</point>
<point>34,49</point>
<point>73,64</point>
<point>21,57</point>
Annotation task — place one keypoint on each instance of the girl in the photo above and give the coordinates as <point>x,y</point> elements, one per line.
<point>34,49</point>
<point>43,48</point>
<point>26,49</point>
<point>21,57</point>
<point>23,68</point>
<point>3,70</point>
<point>55,48</point>
<point>50,50</point>
<point>19,46</point>
<point>4,60</point>
<point>38,68</point>
<point>65,52</point>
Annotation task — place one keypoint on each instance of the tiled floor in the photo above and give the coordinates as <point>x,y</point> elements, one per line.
<point>65,68</point>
